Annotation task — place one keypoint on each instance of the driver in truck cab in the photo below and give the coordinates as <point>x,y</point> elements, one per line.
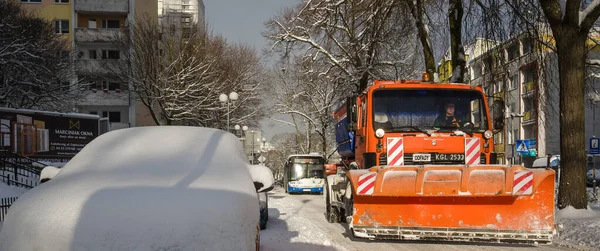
<point>448,119</point>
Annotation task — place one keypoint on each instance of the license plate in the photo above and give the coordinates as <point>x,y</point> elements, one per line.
<point>306,190</point>
<point>450,157</point>
<point>421,157</point>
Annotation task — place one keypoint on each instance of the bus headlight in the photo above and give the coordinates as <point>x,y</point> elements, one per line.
<point>488,134</point>
<point>379,133</point>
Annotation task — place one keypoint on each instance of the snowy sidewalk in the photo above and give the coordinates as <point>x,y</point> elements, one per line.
<point>581,228</point>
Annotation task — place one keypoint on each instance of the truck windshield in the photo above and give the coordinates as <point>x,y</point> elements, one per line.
<point>440,109</point>
<point>301,171</point>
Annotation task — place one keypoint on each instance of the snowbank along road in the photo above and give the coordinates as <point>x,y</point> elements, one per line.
<point>297,222</point>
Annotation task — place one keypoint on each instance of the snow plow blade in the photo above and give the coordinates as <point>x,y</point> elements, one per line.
<point>484,203</point>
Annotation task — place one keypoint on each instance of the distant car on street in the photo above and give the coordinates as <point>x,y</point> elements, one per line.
<point>150,188</point>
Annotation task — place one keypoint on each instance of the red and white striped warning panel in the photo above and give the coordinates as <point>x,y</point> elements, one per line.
<point>366,183</point>
<point>395,151</point>
<point>472,151</point>
<point>523,183</point>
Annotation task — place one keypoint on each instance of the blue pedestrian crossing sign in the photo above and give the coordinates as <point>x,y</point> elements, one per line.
<point>594,146</point>
<point>523,146</point>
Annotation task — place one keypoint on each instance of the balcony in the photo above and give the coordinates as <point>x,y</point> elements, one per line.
<point>108,98</point>
<point>101,35</point>
<point>102,66</point>
<point>499,148</point>
<point>529,117</point>
<point>499,95</point>
<point>106,6</point>
<point>529,88</point>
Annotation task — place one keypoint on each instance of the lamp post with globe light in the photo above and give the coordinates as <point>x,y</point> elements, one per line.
<point>227,101</point>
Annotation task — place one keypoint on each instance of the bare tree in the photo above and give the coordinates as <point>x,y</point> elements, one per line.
<point>359,39</point>
<point>417,9</point>
<point>178,74</point>
<point>306,94</point>
<point>36,64</point>
<point>570,29</point>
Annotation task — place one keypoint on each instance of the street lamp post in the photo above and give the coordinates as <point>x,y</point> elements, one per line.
<point>227,101</point>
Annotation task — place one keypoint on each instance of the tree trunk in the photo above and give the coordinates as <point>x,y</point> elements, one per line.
<point>571,65</point>
<point>417,11</point>
<point>324,141</point>
<point>457,51</point>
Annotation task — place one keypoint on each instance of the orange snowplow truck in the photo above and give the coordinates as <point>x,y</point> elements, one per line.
<point>419,164</point>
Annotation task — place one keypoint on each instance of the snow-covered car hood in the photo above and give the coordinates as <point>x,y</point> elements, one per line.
<point>153,188</point>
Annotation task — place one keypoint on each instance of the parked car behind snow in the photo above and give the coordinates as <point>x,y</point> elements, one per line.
<point>263,176</point>
<point>151,188</point>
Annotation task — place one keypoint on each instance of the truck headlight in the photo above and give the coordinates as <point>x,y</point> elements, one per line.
<point>488,134</point>
<point>379,133</point>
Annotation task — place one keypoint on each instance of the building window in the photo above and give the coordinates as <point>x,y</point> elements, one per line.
<point>111,54</point>
<point>514,82</point>
<point>113,86</point>
<point>61,26</point>
<point>61,1</point>
<point>94,112</point>
<point>513,51</point>
<point>113,117</point>
<point>92,54</point>
<point>111,24</point>
<point>529,75</point>
<point>512,107</point>
<point>186,21</point>
<point>527,46</point>
<point>31,1</point>
<point>498,87</point>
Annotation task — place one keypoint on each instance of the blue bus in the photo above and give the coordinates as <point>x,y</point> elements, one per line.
<point>304,173</point>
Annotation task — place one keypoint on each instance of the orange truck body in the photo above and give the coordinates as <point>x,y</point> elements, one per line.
<point>392,196</point>
<point>330,169</point>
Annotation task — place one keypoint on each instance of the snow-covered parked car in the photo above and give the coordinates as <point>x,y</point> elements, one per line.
<point>264,176</point>
<point>150,188</point>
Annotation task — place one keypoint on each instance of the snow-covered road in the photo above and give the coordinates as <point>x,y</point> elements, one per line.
<point>297,222</point>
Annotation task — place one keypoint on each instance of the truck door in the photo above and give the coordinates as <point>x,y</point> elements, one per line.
<point>360,138</point>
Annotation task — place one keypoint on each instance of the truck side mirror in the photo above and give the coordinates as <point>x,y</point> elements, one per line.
<point>498,110</point>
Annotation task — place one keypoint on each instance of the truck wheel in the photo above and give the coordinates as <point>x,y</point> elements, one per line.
<point>348,204</point>
<point>330,211</point>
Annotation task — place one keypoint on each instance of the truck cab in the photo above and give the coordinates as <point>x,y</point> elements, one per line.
<point>407,123</point>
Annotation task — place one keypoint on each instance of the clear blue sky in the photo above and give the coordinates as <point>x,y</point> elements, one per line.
<point>243,21</point>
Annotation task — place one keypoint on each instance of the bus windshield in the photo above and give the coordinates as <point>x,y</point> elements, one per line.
<point>405,110</point>
<point>307,168</point>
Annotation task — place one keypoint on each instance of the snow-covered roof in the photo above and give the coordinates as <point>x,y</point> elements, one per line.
<point>150,188</point>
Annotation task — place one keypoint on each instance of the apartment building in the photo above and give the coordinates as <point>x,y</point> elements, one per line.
<point>181,12</point>
<point>57,11</point>
<point>525,76</point>
<point>101,61</point>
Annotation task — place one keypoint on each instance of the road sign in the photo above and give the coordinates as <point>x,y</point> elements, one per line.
<point>522,146</point>
<point>262,159</point>
<point>594,146</point>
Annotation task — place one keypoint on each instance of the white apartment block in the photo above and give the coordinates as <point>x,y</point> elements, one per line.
<point>95,24</point>
<point>181,12</point>
<point>526,78</point>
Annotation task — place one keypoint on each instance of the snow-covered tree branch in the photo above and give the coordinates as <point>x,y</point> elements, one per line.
<point>36,65</point>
